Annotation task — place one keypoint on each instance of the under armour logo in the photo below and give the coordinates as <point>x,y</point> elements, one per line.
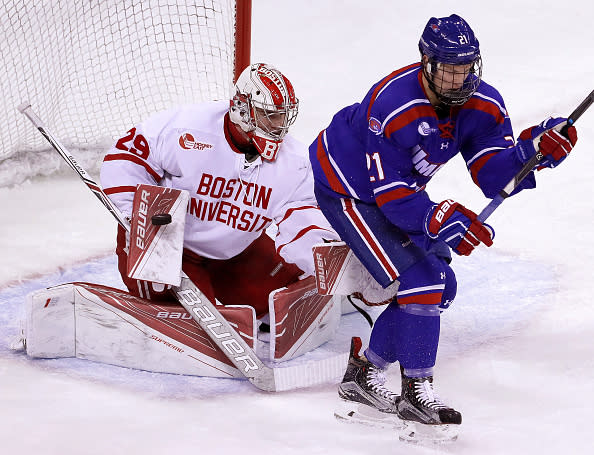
<point>442,275</point>
<point>444,145</point>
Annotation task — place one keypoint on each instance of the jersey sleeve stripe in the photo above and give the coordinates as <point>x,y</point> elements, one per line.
<point>471,161</point>
<point>289,212</point>
<point>385,82</point>
<point>397,193</point>
<point>120,189</point>
<point>494,101</point>
<point>335,178</point>
<point>478,165</point>
<point>402,108</point>
<point>405,118</point>
<point>134,159</point>
<point>393,185</point>
<point>327,168</point>
<point>485,106</point>
<point>300,234</point>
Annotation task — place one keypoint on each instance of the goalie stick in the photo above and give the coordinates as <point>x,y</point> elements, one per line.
<point>203,311</point>
<point>529,166</point>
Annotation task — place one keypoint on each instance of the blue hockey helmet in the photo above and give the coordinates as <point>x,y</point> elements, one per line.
<point>451,41</point>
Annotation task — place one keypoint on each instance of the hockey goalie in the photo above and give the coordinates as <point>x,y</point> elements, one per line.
<point>202,184</point>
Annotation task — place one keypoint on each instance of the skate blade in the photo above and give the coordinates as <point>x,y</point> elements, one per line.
<point>352,412</point>
<point>419,433</point>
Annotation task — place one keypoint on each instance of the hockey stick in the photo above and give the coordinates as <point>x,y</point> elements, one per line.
<point>529,166</point>
<point>203,311</point>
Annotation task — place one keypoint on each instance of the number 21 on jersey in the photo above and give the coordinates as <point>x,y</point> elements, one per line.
<point>375,161</point>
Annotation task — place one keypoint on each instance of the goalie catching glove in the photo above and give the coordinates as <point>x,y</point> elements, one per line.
<point>547,139</point>
<point>457,226</point>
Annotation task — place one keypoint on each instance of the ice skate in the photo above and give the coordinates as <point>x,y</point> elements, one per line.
<point>363,396</point>
<point>426,417</point>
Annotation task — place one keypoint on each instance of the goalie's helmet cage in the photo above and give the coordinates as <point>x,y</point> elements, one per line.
<point>449,51</point>
<point>264,106</point>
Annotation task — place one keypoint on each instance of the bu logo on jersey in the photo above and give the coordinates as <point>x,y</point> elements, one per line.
<point>422,165</point>
<point>187,142</point>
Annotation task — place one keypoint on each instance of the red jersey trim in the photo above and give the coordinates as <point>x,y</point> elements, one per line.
<point>289,212</point>
<point>397,193</point>
<point>408,117</point>
<point>136,160</point>
<point>120,189</point>
<point>478,165</point>
<point>300,234</point>
<point>327,168</point>
<point>384,81</point>
<point>433,298</point>
<point>484,106</point>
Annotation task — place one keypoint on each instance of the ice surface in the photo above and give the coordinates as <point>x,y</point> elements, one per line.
<point>516,355</point>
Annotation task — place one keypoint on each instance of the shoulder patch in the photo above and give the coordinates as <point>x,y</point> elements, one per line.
<point>187,142</point>
<point>375,125</point>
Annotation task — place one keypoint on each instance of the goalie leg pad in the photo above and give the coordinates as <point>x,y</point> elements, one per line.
<point>340,272</point>
<point>50,323</point>
<point>107,325</point>
<point>301,319</point>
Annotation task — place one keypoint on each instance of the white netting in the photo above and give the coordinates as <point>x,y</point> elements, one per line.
<point>91,69</point>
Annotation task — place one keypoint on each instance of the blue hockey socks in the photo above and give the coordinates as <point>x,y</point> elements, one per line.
<point>408,334</point>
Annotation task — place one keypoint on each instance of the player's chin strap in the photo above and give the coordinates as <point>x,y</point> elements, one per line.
<point>530,164</point>
<point>204,312</point>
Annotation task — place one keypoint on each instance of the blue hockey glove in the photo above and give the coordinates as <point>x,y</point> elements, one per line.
<point>457,226</point>
<point>547,139</point>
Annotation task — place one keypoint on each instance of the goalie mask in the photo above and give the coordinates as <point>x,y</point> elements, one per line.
<point>451,59</point>
<point>264,106</point>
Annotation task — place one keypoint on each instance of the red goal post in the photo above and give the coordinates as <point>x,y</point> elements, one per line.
<point>94,69</point>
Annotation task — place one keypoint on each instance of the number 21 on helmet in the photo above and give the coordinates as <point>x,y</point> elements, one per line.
<point>451,59</point>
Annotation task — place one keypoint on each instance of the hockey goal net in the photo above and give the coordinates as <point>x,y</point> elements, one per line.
<point>92,69</point>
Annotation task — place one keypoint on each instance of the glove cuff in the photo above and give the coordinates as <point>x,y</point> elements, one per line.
<point>427,220</point>
<point>525,150</point>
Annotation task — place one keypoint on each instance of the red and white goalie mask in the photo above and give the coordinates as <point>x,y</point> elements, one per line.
<point>264,106</point>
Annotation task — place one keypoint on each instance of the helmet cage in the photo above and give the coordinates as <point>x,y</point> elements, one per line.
<point>271,120</point>
<point>265,106</point>
<point>440,75</point>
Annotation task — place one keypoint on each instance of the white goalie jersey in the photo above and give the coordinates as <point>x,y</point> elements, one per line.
<point>231,201</point>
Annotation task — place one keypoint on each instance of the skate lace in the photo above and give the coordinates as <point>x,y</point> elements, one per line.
<point>427,396</point>
<point>376,380</point>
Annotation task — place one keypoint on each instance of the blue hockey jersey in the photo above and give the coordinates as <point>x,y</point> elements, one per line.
<point>386,149</point>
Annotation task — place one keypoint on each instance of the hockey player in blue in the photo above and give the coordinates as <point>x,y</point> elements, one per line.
<point>371,167</point>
